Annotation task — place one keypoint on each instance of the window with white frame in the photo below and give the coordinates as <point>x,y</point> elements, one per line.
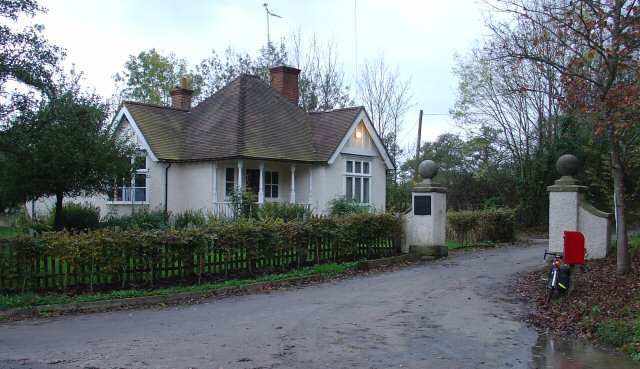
<point>358,181</point>
<point>133,189</point>
<point>229,181</point>
<point>271,184</point>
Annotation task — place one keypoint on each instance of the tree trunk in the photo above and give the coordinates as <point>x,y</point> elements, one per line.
<point>623,264</point>
<point>57,220</point>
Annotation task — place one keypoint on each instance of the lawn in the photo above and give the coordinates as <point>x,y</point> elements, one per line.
<point>8,232</point>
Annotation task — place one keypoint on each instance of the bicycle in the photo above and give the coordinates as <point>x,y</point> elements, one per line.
<point>553,282</point>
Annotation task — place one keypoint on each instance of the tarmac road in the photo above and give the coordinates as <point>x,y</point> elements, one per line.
<point>452,313</point>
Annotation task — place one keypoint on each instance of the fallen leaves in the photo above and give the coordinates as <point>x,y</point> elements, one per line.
<point>599,294</point>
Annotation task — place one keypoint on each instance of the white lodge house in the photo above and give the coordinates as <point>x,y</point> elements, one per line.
<point>248,135</point>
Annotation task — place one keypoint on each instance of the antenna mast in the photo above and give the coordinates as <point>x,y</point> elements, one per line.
<point>269,14</point>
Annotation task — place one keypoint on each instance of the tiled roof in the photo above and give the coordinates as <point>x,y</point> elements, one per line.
<point>245,119</point>
<point>330,127</point>
<point>162,127</point>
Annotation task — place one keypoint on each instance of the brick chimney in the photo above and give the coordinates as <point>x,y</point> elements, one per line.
<point>285,81</point>
<point>181,96</point>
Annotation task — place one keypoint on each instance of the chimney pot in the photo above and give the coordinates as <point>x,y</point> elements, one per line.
<point>285,81</point>
<point>183,83</point>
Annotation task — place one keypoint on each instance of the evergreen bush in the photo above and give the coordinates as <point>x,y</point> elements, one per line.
<point>80,217</point>
<point>496,225</point>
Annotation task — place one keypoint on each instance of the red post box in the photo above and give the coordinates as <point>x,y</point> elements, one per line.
<point>573,247</point>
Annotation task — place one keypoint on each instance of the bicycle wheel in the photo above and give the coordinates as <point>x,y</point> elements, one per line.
<point>551,284</point>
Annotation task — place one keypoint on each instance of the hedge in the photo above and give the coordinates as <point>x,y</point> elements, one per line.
<point>471,227</point>
<point>112,257</point>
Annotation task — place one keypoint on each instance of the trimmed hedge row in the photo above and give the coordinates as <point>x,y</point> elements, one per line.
<point>110,255</point>
<point>471,227</point>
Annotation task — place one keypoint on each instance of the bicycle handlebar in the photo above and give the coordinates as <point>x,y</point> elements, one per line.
<point>557,255</point>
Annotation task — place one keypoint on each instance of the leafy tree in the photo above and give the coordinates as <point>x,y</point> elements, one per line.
<point>321,83</point>
<point>149,77</point>
<point>214,73</point>
<point>594,46</point>
<point>25,56</point>
<point>63,148</point>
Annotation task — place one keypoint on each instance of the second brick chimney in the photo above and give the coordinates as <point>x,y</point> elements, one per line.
<point>285,81</point>
<point>181,96</point>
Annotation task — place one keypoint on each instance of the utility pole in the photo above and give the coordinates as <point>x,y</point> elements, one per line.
<point>415,173</point>
<point>419,135</point>
<point>269,14</point>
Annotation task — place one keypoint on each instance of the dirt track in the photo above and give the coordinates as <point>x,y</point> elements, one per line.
<point>452,313</point>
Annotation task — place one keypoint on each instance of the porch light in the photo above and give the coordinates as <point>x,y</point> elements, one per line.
<point>358,135</point>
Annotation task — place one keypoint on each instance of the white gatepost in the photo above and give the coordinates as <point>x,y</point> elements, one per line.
<point>569,211</point>
<point>425,223</point>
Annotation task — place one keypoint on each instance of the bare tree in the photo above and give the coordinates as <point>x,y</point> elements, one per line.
<point>322,84</point>
<point>594,46</point>
<point>519,99</point>
<point>386,96</point>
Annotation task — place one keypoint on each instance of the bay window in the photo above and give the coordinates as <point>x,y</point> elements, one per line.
<point>134,188</point>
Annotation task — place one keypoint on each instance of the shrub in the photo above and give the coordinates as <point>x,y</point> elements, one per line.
<point>141,218</point>
<point>77,216</point>
<point>24,223</point>
<point>188,219</point>
<point>243,203</point>
<point>135,255</point>
<point>613,332</point>
<point>497,225</point>
<point>343,206</point>
<point>283,211</point>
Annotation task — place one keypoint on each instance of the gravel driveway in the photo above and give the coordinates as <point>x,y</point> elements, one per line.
<point>451,313</point>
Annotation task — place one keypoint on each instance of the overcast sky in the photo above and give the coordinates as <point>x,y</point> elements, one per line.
<point>420,37</point>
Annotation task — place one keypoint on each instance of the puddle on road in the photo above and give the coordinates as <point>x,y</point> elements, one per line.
<point>550,352</point>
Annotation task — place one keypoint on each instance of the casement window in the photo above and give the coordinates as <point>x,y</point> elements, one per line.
<point>229,181</point>
<point>134,189</point>
<point>271,185</point>
<point>358,181</point>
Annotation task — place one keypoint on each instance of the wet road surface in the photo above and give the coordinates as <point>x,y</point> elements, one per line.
<point>452,313</point>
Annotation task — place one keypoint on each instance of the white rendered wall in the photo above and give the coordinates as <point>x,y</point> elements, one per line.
<point>190,187</point>
<point>597,233</point>
<point>568,211</point>
<point>563,216</point>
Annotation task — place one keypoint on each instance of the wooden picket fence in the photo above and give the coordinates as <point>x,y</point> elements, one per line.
<point>22,271</point>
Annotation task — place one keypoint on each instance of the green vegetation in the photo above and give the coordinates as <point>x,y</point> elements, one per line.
<point>475,227</point>
<point>8,232</point>
<point>344,206</point>
<point>603,306</point>
<point>140,253</point>
<point>32,299</point>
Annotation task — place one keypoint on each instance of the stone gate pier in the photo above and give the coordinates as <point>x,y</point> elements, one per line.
<point>569,211</point>
<point>425,223</point>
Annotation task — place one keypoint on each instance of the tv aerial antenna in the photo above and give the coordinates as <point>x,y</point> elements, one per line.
<point>269,14</point>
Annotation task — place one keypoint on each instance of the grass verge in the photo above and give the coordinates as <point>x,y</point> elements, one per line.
<point>8,232</point>
<point>32,299</point>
